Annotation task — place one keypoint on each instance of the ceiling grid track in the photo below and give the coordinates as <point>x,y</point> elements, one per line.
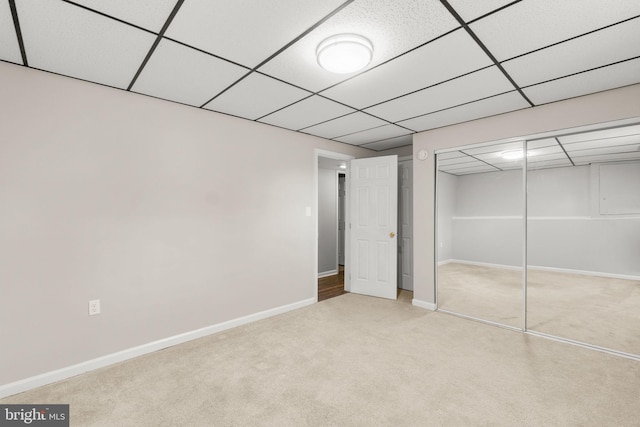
<point>480,160</point>
<point>282,49</point>
<point>115,44</point>
<point>16,24</point>
<point>486,50</point>
<point>156,42</point>
<point>565,151</point>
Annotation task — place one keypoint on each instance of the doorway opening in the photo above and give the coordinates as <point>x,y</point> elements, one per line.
<point>333,285</point>
<point>331,211</point>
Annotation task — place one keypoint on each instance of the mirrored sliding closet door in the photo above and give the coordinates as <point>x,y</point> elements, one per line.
<point>580,195</point>
<point>480,232</point>
<point>583,240</point>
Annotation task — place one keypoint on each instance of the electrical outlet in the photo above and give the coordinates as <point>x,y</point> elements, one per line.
<point>94,307</point>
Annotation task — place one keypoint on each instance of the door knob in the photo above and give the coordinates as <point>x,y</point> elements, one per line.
<point>392,234</point>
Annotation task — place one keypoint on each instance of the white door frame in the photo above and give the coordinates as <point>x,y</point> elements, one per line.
<point>347,268</point>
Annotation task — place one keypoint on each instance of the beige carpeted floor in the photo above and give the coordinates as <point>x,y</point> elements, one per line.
<point>358,361</point>
<point>595,310</point>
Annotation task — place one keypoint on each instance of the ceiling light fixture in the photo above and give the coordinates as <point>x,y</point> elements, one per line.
<point>516,154</point>
<point>344,53</point>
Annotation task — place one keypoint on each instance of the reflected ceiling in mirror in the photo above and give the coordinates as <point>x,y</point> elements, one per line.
<point>601,146</point>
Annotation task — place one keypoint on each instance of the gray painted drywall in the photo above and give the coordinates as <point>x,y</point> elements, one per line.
<point>327,221</point>
<point>175,217</point>
<point>447,191</point>
<point>599,108</point>
<point>561,232</point>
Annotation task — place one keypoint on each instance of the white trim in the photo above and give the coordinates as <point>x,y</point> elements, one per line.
<point>585,273</point>
<point>548,218</point>
<point>485,264</point>
<point>423,304</point>
<point>100,362</point>
<point>445,262</point>
<point>542,268</point>
<point>584,345</point>
<point>484,217</point>
<point>327,273</point>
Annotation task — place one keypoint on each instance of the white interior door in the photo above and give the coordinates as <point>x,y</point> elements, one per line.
<point>374,221</point>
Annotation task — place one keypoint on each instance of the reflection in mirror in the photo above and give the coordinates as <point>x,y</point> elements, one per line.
<point>583,238</point>
<point>480,232</point>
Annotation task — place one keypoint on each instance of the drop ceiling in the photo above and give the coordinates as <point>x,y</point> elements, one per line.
<point>435,63</point>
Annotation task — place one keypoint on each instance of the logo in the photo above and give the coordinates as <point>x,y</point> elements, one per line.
<point>34,415</point>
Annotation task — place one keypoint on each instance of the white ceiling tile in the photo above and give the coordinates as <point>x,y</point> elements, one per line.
<point>388,144</point>
<point>443,59</point>
<point>510,101</point>
<point>480,168</point>
<point>345,125</point>
<point>478,85</point>
<point>69,40</point>
<point>618,75</point>
<point>148,14</point>
<point>179,73</point>
<point>256,96</point>
<point>307,112</point>
<point>472,9</point>
<point>608,143</point>
<point>374,135</point>
<point>529,25</point>
<point>542,143</point>
<point>546,164</point>
<point>9,48</point>
<point>246,32</point>
<point>451,155</point>
<point>603,158</point>
<point>631,149</point>
<point>603,47</point>
<point>493,151</point>
<point>393,26</point>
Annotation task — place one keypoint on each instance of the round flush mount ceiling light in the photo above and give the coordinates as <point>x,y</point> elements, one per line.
<point>344,53</point>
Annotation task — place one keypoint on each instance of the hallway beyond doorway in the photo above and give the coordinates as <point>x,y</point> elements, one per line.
<point>331,286</point>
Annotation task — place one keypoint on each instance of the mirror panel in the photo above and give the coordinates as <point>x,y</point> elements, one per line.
<point>583,238</point>
<point>481,232</point>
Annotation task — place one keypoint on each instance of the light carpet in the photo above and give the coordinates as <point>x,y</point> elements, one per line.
<point>595,310</point>
<point>357,361</point>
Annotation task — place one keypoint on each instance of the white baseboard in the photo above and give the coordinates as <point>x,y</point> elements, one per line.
<point>542,268</point>
<point>585,273</point>
<point>485,264</point>
<point>327,273</point>
<point>445,262</point>
<point>423,304</point>
<point>100,362</point>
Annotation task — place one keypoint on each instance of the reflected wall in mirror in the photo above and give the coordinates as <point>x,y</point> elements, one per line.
<point>583,240</point>
<point>480,232</point>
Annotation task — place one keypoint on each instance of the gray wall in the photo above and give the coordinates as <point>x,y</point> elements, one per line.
<point>562,233</point>
<point>327,221</point>
<point>176,218</point>
<point>599,108</point>
<point>447,192</point>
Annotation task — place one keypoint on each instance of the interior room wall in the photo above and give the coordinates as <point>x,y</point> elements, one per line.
<point>603,107</point>
<point>562,234</point>
<point>327,222</point>
<point>176,218</point>
<point>400,152</point>
<point>447,192</point>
